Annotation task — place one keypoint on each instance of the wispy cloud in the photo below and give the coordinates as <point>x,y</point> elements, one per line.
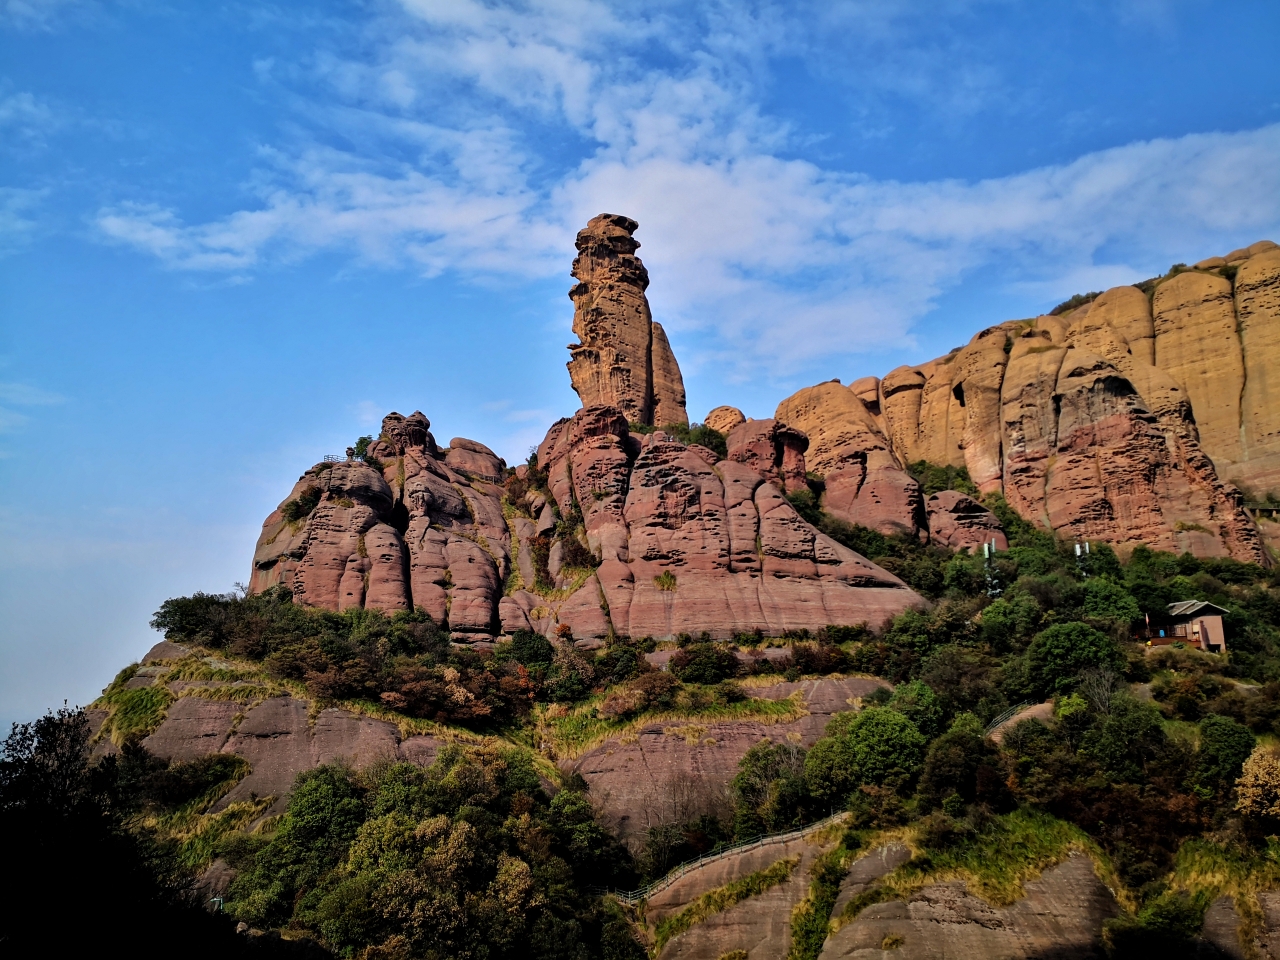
<point>39,14</point>
<point>16,399</point>
<point>461,112</point>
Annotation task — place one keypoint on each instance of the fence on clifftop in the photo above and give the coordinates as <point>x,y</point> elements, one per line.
<point>633,897</point>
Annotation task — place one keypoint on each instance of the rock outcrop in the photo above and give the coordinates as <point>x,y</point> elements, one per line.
<point>663,773</point>
<point>1124,420</point>
<point>772,449</point>
<point>632,535</point>
<point>623,359</point>
<point>1060,915</point>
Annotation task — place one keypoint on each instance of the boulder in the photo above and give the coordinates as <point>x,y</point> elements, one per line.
<point>724,419</point>
<point>474,459</point>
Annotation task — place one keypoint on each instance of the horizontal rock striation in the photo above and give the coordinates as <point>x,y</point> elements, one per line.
<point>1124,420</point>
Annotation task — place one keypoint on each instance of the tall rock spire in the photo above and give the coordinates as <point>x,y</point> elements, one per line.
<point>623,358</point>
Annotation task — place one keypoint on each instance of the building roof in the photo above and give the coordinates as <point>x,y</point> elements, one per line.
<point>1190,608</point>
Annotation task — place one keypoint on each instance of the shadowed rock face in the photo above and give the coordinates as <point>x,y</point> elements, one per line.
<point>1117,421</point>
<point>623,359</point>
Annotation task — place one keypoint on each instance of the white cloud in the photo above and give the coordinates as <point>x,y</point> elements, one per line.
<point>37,14</point>
<point>16,229</point>
<point>461,111</point>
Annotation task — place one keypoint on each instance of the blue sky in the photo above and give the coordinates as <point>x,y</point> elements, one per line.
<point>234,235</point>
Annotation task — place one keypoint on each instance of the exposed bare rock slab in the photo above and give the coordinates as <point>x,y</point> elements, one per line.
<point>1060,916</point>
<point>674,772</point>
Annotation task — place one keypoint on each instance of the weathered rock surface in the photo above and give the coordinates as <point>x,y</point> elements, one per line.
<point>278,740</point>
<point>957,521</point>
<point>724,419</point>
<point>666,772</point>
<point>1116,421</point>
<point>772,449</point>
<point>760,925</point>
<point>1061,915</point>
<point>865,481</point>
<point>685,544</point>
<point>623,359</point>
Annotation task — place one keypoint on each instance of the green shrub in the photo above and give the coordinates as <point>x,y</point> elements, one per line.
<point>1059,654</point>
<point>704,663</point>
<point>301,506</point>
<point>1224,747</point>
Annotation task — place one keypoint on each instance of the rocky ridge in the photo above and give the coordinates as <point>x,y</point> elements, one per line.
<point>610,533</point>
<point>1127,418</point>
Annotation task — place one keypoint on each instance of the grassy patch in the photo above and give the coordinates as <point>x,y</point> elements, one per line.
<point>578,730</point>
<point>132,714</point>
<point>1013,849</point>
<point>811,919</point>
<point>721,899</point>
<point>1211,870</point>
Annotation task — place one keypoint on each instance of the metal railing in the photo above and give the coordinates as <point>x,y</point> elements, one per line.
<point>1007,715</point>
<point>633,897</point>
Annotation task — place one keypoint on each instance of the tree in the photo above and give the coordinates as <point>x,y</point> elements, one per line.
<point>704,663</point>
<point>917,702</point>
<point>1105,599</point>
<point>1057,655</point>
<point>1224,747</point>
<point>964,763</point>
<point>887,747</point>
<point>65,820</point>
<point>1258,789</point>
<point>1125,741</point>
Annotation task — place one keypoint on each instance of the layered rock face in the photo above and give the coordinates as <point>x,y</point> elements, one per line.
<point>1123,420</point>
<point>623,358</point>
<point>685,544</point>
<point>426,530</point>
<point>631,535</point>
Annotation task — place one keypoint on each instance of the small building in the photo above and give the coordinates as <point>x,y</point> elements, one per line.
<point>1197,623</point>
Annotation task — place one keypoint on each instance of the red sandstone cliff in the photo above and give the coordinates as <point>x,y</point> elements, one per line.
<point>1126,419</point>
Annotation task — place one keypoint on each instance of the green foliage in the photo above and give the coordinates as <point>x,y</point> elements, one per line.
<point>1168,926</point>
<point>1057,656</point>
<point>466,858</point>
<point>770,791</point>
<point>1105,599</point>
<point>362,446</point>
<point>301,506</point>
<point>1225,744</point>
<point>918,703</point>
<point>705,663</point>
<point>698,433</point>
<point>1126,741</point>
<point>934,478</point>
<point>531,649</point>
<point>665,581</point>
<point>964,764</point>
<point>884,748</point>
<point>810,921</point>
<point>132,713</point>
<point>1076,300</point>
<point>66,818</point>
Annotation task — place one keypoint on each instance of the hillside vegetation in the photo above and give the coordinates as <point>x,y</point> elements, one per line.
<point>493,851</point>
